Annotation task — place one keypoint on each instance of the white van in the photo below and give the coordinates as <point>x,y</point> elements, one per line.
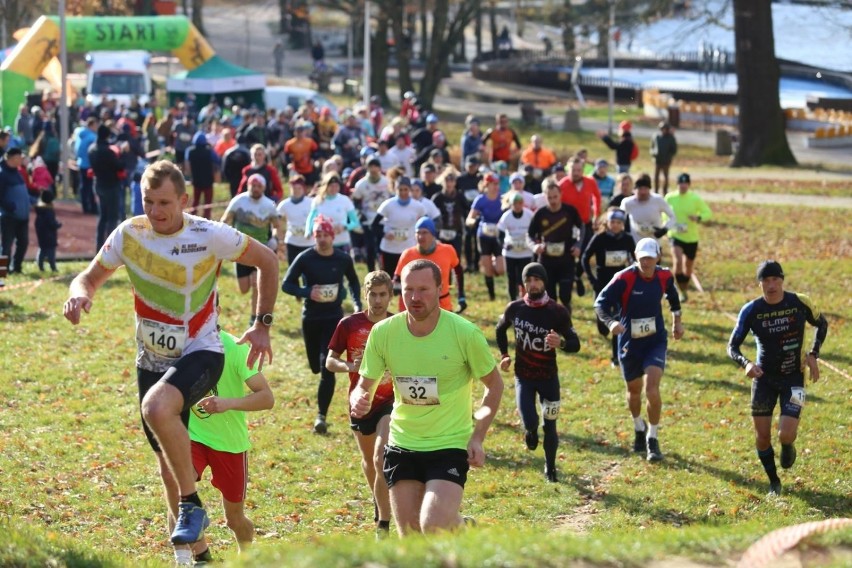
<point>280,97</point>
<point>118,75</point>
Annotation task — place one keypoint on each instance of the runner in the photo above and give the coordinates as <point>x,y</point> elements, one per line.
<point>172,259</point>
<point>295,211</point>
<point>255,215</point>
<point>453,207</point>
<point>336,208</point>
<point>581,192</point>
<point>219,435</point>
<point>323,267</point>
<point>645,211</point>
<point>691,210</point>
<point>502,136</point>
<point>635,294</point>
<point>517,250</point>
<point>395,220</point>
<point>434,434</point>
<point>468,184</point>
<point>777,322</point>
<point>612,248</point>
<point>557,231</point>
<point>541,326</point>
<point>487,210</point>
<point>428,247</point>
<point>370,192</point>
<point>301,152</point>
<point>371,431</point>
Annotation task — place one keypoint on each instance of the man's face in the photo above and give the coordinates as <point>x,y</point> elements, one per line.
<point>256,190</point>
<point>15,161</point>
<point>400,142</point>
<point>419,293</point>
<point>683,187</point>
<point>403,192</point>
<point>647,264</point>
<point>425,239</point>
<point>502,123</point>
<point>536,142</point>
<point>643,193</point>
<point>554,199</point>
<point>164,207</point>
<point>374,171</point>
<point>297,189</point>
<point>429,176</point>
<point>772,287</point>
<point>577,172</point>
<point>416,191</point>
<point>534,286</point>
<point>378,299</point>
<point>602,171</point>
<point>324,240</point>
<point>615,225</point>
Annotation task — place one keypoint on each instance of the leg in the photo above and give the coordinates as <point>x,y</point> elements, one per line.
<point>367,447</point>
<point>406,498</point>
<point>380,485</point>
<point>525,400</point>
<point>161,409</point>
<point>327,380</point>
<point>239,523</point>
<point>22,241</point>
<point>207,195</point>
<point>634,396</point>
<point>441,505</point>
<point>499,265</point>
<point>665,169</point>
<point>654,404</point>
<point>550,397</point>
<point>657,171</point>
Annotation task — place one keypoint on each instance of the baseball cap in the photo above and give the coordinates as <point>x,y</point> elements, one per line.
<point>769,268</point>
<point>534,269</point>
<point>601,163</point>
<point>431,118</point>
<point>625,125</point>
<point>559,167</point>
<point>491,177</point>
<point>516,176</point>
<point>471,160</point>
<point>403,181</point>
<point>683,178</point>
<point>323,224</point>
<point>647,248</point>
<point>257,178</point>
<point>374,162</point>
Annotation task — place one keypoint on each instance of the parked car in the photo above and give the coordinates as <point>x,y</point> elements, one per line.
<point>280,97</point>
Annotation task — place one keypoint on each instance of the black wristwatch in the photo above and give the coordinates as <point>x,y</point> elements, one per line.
<point>265,319</point>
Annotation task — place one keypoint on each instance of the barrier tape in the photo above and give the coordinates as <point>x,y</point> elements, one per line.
<point>771,546</point>
<point>733,318</point>
<point>33,284</point>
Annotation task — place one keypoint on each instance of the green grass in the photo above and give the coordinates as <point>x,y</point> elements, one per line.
<point>80,484</point>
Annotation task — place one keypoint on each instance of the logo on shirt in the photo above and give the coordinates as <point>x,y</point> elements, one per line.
<point>188,249</point>
<point>198,229</point>
<point>453,471</point>
<point>175,251</point>
<point>638,292</point>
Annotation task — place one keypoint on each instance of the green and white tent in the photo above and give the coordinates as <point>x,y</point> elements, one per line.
<point>219,78</point>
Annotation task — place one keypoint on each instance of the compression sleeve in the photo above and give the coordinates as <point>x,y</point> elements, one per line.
<point>737,338</point>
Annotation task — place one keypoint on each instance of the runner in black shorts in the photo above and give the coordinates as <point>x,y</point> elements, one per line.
<point>541,326</point>
<point>777,322</point>
<point>371,430</point>
<point>690,211</point>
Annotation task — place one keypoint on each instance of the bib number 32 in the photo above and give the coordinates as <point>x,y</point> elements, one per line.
<point>418,391</point>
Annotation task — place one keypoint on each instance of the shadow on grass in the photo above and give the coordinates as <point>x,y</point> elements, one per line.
<point>10,312</point>
<point>713,358</point>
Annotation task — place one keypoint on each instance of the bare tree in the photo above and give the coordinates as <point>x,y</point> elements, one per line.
<point>763,135</point>
<point>446,34</point>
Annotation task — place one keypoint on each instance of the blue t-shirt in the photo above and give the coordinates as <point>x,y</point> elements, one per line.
<point>490,210</point>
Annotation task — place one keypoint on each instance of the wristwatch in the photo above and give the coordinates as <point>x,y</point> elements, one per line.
<point>265,319</point>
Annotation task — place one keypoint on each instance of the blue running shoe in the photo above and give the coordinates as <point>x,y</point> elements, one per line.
<point>191,522</point>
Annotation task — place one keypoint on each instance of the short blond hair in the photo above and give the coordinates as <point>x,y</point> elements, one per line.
<point>377,278</point>
<point>160,171</point>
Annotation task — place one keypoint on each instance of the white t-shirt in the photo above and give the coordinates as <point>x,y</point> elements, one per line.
<point>252,216</point>
<point>403,158</point>
<point>431,209</point>
<point>529,199</point>
<point>647,215</point>
<point>337,209</point>
<point>296,215</point>
<point>516,244</point>
<point>387,160</point>
<point>399,223</point>
<point>174,284</point>
<point>371,195</point>
<point>539,200</point>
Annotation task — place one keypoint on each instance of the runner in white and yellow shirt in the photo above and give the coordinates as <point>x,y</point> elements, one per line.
<point>173,260</point>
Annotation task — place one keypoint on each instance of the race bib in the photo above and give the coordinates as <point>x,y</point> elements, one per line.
<point>646,230</point>
<point>327,292</point>
<point>797,396</point>
<point>554,249</point>
<point>489,229</point>
<point>161,339</point>
<point>400,234</point>
<point>296,231</point>
<point>471,194</point>
<point>446,234</point>
<point>537,173</point>
<point>615,258</point>
<point>549,409</point>
<point>419,391</point>
<point>643,327</point>
<point>185,137</point>
<point>681,227</point>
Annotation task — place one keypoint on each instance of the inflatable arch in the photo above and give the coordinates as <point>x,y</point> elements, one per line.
<point>40,46</point>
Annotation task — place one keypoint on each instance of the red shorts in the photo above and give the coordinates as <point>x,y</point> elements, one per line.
<point>230,471</point>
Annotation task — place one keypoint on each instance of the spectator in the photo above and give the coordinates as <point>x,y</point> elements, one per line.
<point>202,163</point>
<point>663,148</point>
<point>626,150</point>
<point>108,172</point>
<point>47,228</point>
<point>14,210</point>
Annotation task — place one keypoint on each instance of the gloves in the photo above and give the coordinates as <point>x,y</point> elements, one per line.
<point>462,305</point>
<point>660,232</point>
<point>272,243</point>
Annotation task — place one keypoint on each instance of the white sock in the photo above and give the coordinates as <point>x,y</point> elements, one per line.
<point>638,424</point>
<point>183,556</point>
<point>652,430</point>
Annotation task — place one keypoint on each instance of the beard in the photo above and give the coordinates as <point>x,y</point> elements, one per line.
<point>536,295</point>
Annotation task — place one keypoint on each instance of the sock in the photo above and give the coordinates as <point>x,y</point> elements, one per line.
<point>767,458</point>
<point>652,430</point>
<point>191,498</point>
<point>638,424</point>
<point>183,556</point>
<point>383,526</point>
<point>204,556</point>
<point>489,283</point>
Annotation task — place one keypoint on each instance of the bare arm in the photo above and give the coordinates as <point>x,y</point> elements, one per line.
<point>83,289</point>
<point>261,398</point>
<point>266,262</point>
<point>485,416</point>
<point>335,364</point>
<point>361,396</point>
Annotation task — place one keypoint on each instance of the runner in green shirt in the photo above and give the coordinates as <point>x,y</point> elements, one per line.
<point>434,356</point>
<point>689,210</point>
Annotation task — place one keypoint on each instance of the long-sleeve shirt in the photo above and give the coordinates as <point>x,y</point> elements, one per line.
<point>612,253</point>
<point>585,197</point>
<point>327,272</point>
<point>646,216</point>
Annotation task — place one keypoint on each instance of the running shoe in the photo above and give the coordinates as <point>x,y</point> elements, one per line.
<point>531,438</point>
<point>775,488</point>
<point>191,522</point>
<point>202,558</point>
<point>320,426</point>
<point>788,455</point>
<point>550,475</point>
<point>469,522</point>
<point>654,453</point>
<point>639,445</point>
<point>581,288</point>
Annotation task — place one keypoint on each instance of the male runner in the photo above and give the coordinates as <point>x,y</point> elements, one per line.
<point>635,294</point>
<point>690,210</point>
<point>173,259</point>
<point>371,431</point>
<point>434,356</point>
<point>777,322</point>
<point>541,326</point>
<point>324,267</point>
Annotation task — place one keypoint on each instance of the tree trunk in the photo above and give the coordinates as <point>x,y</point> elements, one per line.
<point>492,17</point>
<point>478,29</point>
<point>283,17</point>
<point>424,45</point>
<point>445,35</point>
<point>763,136</point>
<point>402,39</point>
<point>197,16</point>
<point>379,55</point>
